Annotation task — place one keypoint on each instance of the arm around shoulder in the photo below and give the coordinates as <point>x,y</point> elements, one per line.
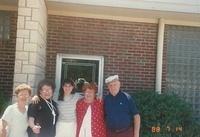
<point>35,99</point>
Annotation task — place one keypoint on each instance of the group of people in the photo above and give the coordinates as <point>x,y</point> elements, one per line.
<point>72,115</point>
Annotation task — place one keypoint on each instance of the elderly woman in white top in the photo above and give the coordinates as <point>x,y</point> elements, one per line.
<point>14,119</point>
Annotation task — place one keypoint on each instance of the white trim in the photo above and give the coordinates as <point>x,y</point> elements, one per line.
<point>183,23</point>
<point>189,22</point>
<point>159,59</point>
<point>189,7</point>
<point>117,13</point>
<point>84,57</point>
<point>58,73</point>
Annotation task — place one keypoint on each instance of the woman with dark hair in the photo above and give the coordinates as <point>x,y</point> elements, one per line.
<point>42,116</point>
<point>67,99</point>
<point>66,126</point>
<point>90,114</point>
<point>66,84</point>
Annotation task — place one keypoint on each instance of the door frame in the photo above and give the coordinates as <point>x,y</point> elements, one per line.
<point>59,58</point>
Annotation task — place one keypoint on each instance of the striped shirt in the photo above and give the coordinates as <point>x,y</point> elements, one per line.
<point>67,108</point>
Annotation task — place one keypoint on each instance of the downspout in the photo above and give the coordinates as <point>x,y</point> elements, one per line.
<point>159,59</point>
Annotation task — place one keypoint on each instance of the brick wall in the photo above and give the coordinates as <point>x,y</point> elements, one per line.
<point>129,48</point>
<point>7,57</point>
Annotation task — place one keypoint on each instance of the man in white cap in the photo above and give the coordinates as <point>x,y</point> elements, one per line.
<point>121,113</point>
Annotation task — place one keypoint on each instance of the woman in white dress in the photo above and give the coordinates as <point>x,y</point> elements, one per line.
<point>14,119</point>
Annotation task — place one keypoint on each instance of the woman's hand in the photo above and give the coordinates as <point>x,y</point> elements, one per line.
<point>35,99</point>
<point>3,132</point>
<point>99,97</point>
<point>36,129</point>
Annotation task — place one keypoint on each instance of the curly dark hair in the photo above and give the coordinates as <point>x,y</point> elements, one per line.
<point>43,83</point>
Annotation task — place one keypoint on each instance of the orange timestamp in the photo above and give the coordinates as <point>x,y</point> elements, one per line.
<point>157,129</point>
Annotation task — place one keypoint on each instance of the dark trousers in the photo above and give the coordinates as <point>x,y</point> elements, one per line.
<point>126,133</point>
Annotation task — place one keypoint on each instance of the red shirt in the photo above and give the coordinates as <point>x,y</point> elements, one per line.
<point>98,124</point>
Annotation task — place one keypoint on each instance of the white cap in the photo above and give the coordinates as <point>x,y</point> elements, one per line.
<point>111,79</point>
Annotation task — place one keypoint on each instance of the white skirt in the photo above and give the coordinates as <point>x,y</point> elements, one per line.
<point>66,129</point>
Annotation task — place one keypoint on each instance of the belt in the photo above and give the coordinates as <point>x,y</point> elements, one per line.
<point>120,130</point>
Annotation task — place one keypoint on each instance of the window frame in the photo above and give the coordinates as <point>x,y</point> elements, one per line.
<point>61,56</point>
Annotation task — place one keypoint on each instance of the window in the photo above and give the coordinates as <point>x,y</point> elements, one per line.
<point>78,67</point>
<point>183,64</point>
<point>4,26</point>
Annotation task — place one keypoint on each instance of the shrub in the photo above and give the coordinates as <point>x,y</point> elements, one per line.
<point>2,103</point>
<point>165,115</point>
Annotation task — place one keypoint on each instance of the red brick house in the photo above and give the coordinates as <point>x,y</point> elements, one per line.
<point>150,44</point>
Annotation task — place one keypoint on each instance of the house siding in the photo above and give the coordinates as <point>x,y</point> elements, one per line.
<point>129,48</point>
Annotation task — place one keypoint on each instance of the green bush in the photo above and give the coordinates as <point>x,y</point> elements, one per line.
<point>165,115</point>
<point>2,103</point>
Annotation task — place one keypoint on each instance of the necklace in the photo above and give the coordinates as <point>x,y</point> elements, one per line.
<point>52,108</point>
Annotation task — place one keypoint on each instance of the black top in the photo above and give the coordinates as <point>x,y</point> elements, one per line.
<point>43,116</point>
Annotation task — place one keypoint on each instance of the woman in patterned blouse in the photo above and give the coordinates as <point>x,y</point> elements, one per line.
<point>90,114</point>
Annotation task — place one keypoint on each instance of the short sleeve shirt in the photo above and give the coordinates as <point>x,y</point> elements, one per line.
<point>43,116</point>
<point>67,108</point>
<point>16,120</point>
<point>119,110</point>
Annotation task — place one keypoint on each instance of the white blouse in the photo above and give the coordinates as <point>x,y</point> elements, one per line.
<point>86,130</point>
